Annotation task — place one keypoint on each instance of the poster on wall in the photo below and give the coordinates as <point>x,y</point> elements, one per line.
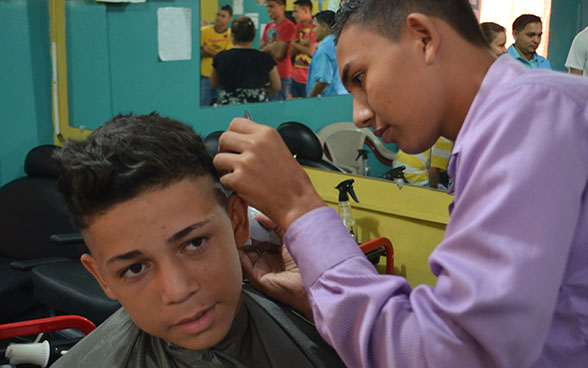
<point>174,33</point>
<point>237,7</point>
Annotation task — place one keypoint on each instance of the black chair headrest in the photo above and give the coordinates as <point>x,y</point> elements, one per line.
<point>211,142</point>
<point>301,140</point>
<point>40,162</point>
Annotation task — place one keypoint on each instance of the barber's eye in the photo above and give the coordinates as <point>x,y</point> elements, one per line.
<point>358,79</point>
<point>133,270</point>
<point>195,243</point>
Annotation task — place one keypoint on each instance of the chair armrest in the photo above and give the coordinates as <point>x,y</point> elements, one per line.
<point>29,264</point>
<point>374,244</point>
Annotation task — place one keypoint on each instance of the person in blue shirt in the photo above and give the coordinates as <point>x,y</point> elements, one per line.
<point>527,32</point>
<point>323,74</point>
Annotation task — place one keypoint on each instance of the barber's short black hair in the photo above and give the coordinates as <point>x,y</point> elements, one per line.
<point>126,157</point>
<point>326,17</point>
<point>228,9</point>
<point>521,22</point>
<point>490,30</point>
<point>304,3</point>
<point>388,17</point>
<point>243,29</point>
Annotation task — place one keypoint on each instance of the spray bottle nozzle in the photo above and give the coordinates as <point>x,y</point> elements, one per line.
<point>362,153</point>
<point>346,187</point>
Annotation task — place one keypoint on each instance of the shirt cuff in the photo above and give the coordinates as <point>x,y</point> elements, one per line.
<point>317,241</point>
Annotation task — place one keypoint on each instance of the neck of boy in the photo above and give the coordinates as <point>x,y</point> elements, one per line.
<point>220,29</point>
<point>525,55</point>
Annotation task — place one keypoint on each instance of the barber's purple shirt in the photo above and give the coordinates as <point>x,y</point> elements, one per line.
<point>512,287</point>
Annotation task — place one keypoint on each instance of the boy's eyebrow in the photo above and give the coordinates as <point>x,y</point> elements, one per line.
<point>187,230</point>
<point>175,237</point>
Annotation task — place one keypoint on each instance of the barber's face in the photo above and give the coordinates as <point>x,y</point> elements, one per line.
<point>391,86</point>
<point>498,44</point>
<point>170,257</point>
<point>529,38</point>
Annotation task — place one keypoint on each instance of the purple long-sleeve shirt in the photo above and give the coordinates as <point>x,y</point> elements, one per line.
<point>512,288</point>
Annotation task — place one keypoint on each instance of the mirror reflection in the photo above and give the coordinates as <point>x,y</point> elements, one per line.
<point>264,52</point>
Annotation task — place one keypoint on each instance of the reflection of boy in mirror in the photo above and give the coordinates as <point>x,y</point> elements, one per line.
<point>302,47</point>
<point>164,241</point>
<point>214,38</point>
<point>276,40</point>
<point>323,75</point>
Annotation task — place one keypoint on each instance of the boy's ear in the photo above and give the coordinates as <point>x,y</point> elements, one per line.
<point>90,264</point>
<point>237,209</point>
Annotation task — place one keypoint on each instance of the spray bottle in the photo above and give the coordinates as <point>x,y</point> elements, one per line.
<point>345,188</point>
<point>363,154</point>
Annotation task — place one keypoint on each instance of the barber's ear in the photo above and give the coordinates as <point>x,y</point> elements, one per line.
<point>237,209</point>
<point>90,264</point>
<point>424,35</point>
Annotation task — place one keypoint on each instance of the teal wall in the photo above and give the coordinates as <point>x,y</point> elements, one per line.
<point>568,17</point>
<point>113,67</point>
<point>25,83</point>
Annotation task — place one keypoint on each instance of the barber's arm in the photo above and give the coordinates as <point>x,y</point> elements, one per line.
<point>214,79</point>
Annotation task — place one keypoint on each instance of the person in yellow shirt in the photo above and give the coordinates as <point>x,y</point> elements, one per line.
<point>423,169</point>
<point>214,38</point>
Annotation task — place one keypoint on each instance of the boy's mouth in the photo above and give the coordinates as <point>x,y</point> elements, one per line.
<point>197,323</point>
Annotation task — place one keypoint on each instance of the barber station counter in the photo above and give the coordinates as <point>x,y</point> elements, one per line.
<point>413,218</point>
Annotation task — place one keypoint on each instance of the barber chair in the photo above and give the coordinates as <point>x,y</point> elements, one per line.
<point>34,270</point>
<point>306,146</point>
<point>211,142</point>
<point>31,210</point>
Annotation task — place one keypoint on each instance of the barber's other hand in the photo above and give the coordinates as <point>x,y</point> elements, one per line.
<point>260,168</point>
<point>271,270</point>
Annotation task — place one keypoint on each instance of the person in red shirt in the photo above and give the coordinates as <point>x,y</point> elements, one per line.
<point>303,46</point>
<point>276,40</point>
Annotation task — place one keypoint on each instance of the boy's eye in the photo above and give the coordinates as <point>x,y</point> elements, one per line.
<point>133,270</point>
<point>195,243</point>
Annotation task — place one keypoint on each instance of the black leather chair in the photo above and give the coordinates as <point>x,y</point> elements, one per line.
<point>37,273</point>
<point>31,210</point>
<point>306,146</point>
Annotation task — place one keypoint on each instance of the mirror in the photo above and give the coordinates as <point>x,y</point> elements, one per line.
<point>243,74</point>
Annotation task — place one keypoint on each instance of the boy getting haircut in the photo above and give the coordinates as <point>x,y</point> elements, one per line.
<point>164,242</point>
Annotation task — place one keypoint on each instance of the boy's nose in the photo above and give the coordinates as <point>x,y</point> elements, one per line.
<point>362,113</point>
<point>177,284</point>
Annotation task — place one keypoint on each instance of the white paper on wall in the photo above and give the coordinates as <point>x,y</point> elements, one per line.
<point>237,7</point>
<point>174,33</point>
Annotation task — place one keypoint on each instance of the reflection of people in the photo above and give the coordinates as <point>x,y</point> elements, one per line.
<point>213,39</point>
<point>527,32</point>
<point>323,75</point>
<point>243,73</point>
<point>423,168</point>
<point>276,39</point>
<point>163,239</point>
<point>495,34</point>
<point>511,270</point>
<point>302,47</point>
<point>577,62</point>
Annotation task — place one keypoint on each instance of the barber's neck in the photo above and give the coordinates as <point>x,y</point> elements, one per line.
<point>243,45</point>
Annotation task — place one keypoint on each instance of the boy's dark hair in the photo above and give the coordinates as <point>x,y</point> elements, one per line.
<point>125,157</point>
<point>521,22</point>
<point>243,29</point>
<point>228,9</point>
<point>388,17</point>
<point>280,2</point>
<point>490,30</point>
<point>304,3</point>
<point>326,17</point>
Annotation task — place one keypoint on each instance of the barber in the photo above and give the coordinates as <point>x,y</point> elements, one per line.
<point>512,287</point>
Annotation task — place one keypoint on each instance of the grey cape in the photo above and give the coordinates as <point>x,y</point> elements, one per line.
<point>263,334</point>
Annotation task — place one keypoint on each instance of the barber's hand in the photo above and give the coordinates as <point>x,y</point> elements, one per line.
<point>271,270</point>
<point>260,168</point>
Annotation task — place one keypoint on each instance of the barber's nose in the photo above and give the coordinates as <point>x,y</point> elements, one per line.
<point>176,283</point>
<point>363,114</point>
